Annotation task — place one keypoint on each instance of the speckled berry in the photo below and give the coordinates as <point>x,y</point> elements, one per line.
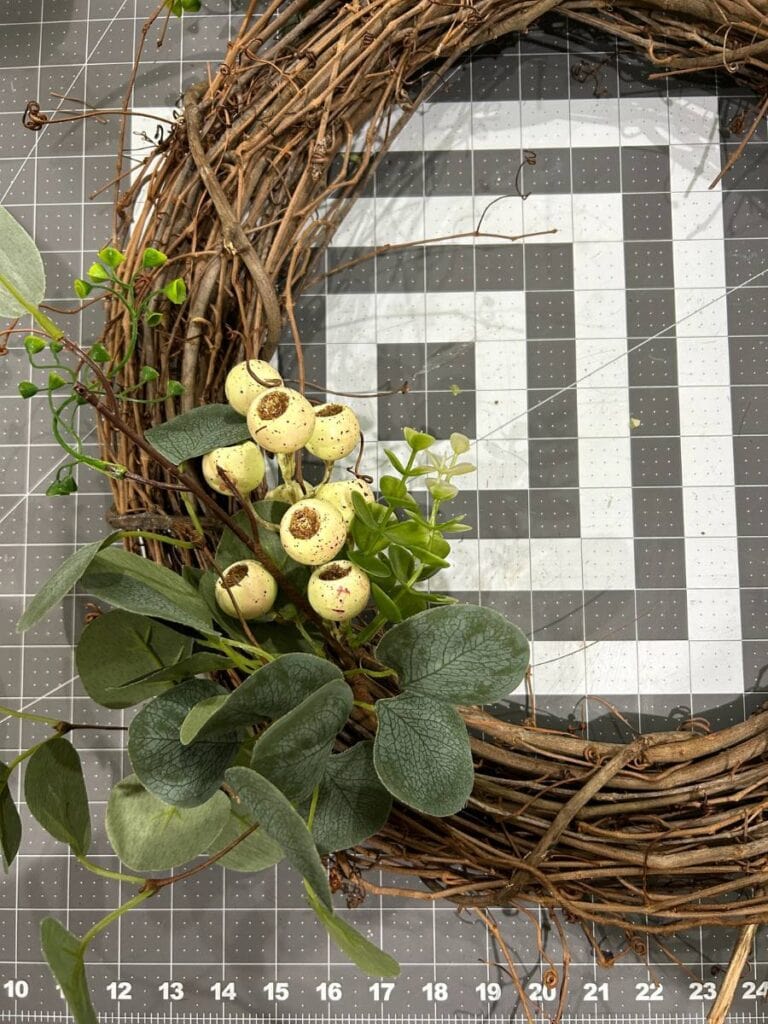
<point>336,432</point>
<point>243,464</point>
<point>312,532</point>
<point>339,494</point>
<point>247,588</point>
<point>281,420</point>
<point>338,590</point>
<point>241,388</point>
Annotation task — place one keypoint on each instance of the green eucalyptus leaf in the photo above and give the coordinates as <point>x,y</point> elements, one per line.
<point>272,691</point>
<point>198,431</point>
<point>183,775</point>
<point>369,958</point>
<point>10,822</point>
<point>198,716</point>
<point>123,658</point>
<point>352,803</point>
<point>150,835</point>
<point>254,853</point>
<point>462,654</point>
<point>422,754</point>
<point>135,584</point>
<point>64,953</point>
<point>22,266</point>
<point>282,823</point>
<point>61,582</point>
<point>54,791</point>
<point>293,751</point>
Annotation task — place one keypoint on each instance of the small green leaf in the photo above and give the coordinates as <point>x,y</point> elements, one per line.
<point>191,6</point>
<point>363,511</point>
<point>64,953</point>
<point>294,750</point>
<point>149,835</point>
<point>82,288</point>
<point>97,273</point>
<point>422,754</point>
<point>402,561</point>
<point>178,774</point>
<point>176,291</point>
<point>55,381</point>
<point>352,803</point>
<point>153,319</point>
<point>396,463</point>
<point>416,440</point>
<point>60,583</point>
<point>198,431</point>
<point>135,584</point>
<point>151,258</point>
<point>460,443</point>
<point>99,354</point>
<point>33,344</point>
<point>124,658</point>
<point>56,346</point>
<point>21,265</point>
<point>369,958</point>
<point>442,491</point>
<point>198,716</point>
<point>273,691</point>
<point>254,853</point>
<point>26,388</point>
<point>385,604</point>
<point>460,654</point>
<point>176,388</point>
<point>370,564</point>
<point>111,256</point>
<point>10,822</point>
<point>61,488</point>
<point>54,790</point>
<point>282,823</point>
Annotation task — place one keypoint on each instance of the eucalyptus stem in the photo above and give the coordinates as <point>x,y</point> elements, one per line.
<point>105,922</point>
<point>28,716</point>
<point>116,876</point>
<point>313,807</point>
<point>46,324</point>
<point>25,754</point>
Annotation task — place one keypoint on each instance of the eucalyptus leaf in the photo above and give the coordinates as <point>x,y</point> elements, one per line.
<point>183,775</point>
<point>461,653</point>
<point>198,716</point>
<point>422,754</point>
<point>21,264</point>
<point>282,823</point>
<point>272,691</point>
<point>364,954</point>
<point>135,584</point>
<point>10,822</point>
<point>293,751</point>
<point>198,431</point>
<point>385,604</point>
<point>150,835</point>
<point>123,658</point>
<point>54,790</point>
<point>254,853</point>
<point>61,582</point>
<point>352,803</point>
<point>64,953</point>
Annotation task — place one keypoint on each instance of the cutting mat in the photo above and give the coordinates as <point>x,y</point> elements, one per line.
<point>622,522</point>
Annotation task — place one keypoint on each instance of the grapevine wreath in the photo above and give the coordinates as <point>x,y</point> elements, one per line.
<point>301,694</point>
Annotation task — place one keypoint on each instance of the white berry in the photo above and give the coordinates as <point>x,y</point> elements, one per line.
<point>339,494</point>
<point>281,420</point>
<point>338,590</point>
<point>247,588</point>
<point>243,464</point>
<point>312,532</point>
<point>336,432</point>
<point>241,388</point>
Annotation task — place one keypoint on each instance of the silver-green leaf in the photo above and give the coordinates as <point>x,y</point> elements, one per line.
<point>64,953</point>
<point>293,751</point>
<point>267,805</point>
<point>21,264</point>
<point>150,835</point>
<point>10,822</point>
<point>54,789</point>
<point>352,803</point>
<point>461,654</point>
<point>422,755</point>
<point>182,775</point>
<point>369,958</point>
<point>198,431</point>
<point>254,853</point>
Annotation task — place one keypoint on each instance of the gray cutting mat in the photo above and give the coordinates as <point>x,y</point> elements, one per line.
<point>622,522</point>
